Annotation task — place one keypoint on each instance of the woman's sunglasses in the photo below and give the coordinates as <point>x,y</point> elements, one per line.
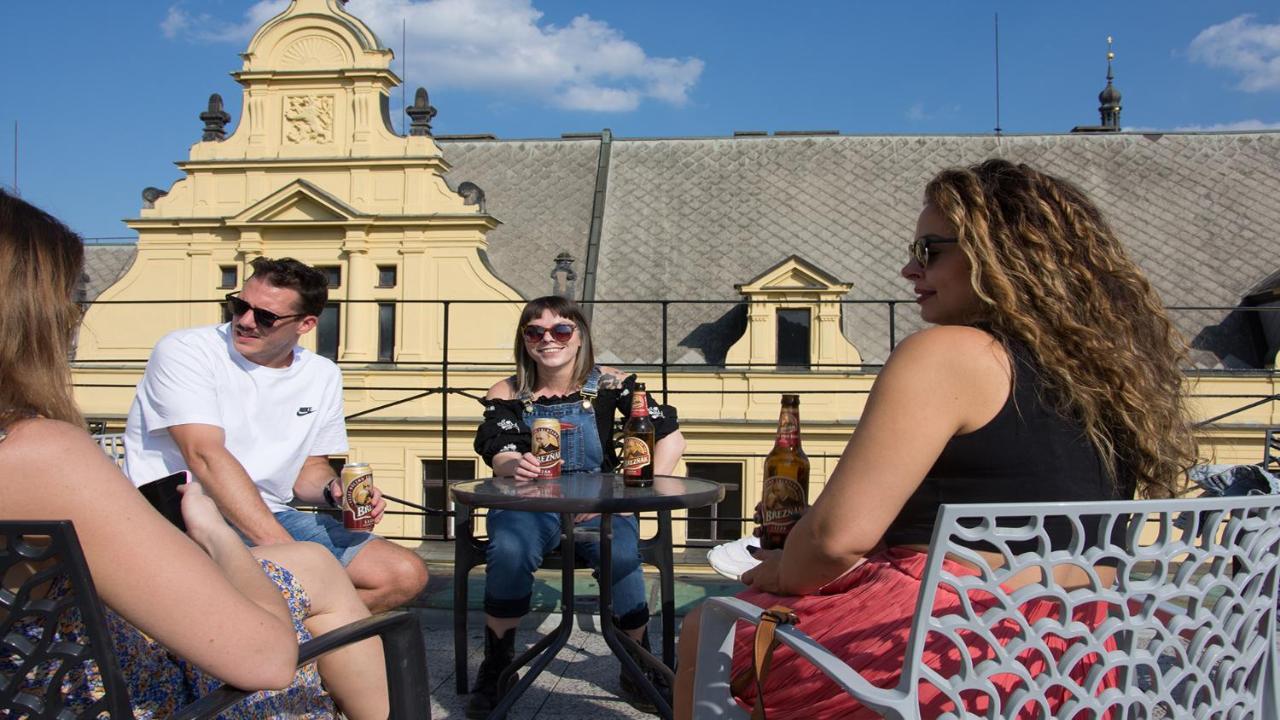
<point>919,248</point>
<point>560,332</point>
<point>263,318</point>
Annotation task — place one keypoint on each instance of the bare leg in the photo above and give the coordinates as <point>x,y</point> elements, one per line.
<point>386,575</point>
<point>356,676</point>
<point>500,626</point>
<point>686,656</point>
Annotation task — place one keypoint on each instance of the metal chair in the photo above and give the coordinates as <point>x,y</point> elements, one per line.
<point>469,552</point>
<point>32,671</point>
<point>1190,627</point>
<point>113,445</point>
<point>1271,451</point>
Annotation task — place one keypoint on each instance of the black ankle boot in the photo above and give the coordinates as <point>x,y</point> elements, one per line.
<point>498,654</point>
<point>632,693</point>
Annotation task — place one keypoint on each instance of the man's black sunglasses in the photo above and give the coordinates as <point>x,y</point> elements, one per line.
<point>263,318</point>
<point>919,248</point>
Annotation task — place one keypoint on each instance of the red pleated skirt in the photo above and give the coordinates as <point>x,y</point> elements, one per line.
<point>865,617</point>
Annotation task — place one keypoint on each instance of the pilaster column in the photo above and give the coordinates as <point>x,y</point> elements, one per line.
<point>360,321</point>
<point>249,248</point>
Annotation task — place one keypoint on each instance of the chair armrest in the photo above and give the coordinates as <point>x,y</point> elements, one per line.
<point>406,660</point>
<point>712,697</point>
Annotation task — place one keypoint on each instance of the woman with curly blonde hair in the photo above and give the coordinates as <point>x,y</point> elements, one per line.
<point>1051,375</point>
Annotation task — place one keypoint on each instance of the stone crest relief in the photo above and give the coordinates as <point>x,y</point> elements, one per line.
<point>308,119</point>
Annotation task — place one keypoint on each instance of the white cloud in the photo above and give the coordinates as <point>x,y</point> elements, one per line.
<point>919,112</point>
<point>1246,47</point>
<point>1238,126</point>
<point>494,46</point>
<point>203,27</point>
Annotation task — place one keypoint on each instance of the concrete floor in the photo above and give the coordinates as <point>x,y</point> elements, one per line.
<point>582,681</point>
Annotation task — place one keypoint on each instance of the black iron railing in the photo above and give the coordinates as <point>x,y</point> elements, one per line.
<point>1183,317</point>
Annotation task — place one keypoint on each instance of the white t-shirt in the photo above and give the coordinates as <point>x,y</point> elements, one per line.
<point>273,418</point>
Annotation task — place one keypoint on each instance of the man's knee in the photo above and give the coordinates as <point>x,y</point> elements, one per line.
<point>388,570</point>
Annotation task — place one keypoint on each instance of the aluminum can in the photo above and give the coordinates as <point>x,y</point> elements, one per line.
<point>546,446</point>
<point>357,496</point>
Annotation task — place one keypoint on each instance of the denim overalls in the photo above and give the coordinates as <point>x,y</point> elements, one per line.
<point>519,540</point>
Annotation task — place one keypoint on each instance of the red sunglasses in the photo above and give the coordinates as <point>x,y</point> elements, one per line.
<point>560,332</point>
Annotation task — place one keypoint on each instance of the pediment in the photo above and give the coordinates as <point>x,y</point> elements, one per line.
<point>794,274</point>
<point>297,202</point>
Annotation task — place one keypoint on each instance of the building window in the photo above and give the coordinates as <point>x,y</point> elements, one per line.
<point>435,494</point>
<point>327,330</point>
<point>703,526</point>
<point>333,274</point>
<point>793,338</point>
<point>386,276</point>
<point>230,276</point>
<point>386,332</point>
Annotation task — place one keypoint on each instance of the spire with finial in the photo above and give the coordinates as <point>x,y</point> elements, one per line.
<point>215,120</point>
<point>420,114</point>
<point>1109,98</point>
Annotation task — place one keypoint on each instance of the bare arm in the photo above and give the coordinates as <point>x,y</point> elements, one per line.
<point>225,480</point>
<point>235,627</point>
<point>317,474</point>
<point>938,383</point>
<point>667,452</point>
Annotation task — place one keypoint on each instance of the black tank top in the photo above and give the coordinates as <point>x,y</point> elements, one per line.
<point>1027,453</point>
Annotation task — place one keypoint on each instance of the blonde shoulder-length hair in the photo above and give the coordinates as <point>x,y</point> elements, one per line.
<point>41,261</point>
<point>526,368</point>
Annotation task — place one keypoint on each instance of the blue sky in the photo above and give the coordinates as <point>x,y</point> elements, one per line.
<point>106,94</point>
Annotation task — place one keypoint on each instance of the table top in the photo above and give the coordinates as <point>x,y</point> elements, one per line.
<point>587,492</point>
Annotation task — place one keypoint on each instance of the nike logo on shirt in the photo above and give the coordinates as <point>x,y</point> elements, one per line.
<point>305,411</point>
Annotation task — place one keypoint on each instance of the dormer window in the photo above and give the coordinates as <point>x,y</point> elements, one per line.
<point>793,338</point>
<point>793,321</point>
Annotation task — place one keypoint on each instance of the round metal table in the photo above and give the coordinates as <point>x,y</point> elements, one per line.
<point>567,496</point>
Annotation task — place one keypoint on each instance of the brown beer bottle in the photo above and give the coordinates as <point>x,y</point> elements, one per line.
<point>637,442</point>
<point>786,478</point>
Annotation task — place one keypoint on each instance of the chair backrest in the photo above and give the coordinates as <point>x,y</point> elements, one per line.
<point>1271,451</point>
<point>1189,621</point>
<point>113,445</point>
<point>35,657</point>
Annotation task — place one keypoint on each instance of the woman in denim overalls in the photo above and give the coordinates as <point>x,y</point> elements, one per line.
<point>556,378</point>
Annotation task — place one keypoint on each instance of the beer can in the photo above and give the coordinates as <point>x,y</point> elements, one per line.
<point>357,496</point>
<point>546,446</point>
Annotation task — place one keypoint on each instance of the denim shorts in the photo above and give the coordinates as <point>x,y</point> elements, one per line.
<point>318,528</point>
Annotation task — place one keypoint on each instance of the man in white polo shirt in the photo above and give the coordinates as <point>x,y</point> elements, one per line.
<point>255,418</point>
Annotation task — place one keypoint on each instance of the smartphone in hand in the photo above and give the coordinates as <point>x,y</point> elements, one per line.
<point>164,496</point>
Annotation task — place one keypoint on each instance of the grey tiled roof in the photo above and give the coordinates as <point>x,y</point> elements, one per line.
<point>541,191</point>
<point>103,265</point>
<point>689,218</point>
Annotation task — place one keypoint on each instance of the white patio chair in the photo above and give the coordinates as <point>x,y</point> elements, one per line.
<point>113,445</point>
<point>1191,615</point>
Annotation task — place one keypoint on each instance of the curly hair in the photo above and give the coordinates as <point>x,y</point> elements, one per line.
<point>41,261</point>
<point>1051,274</point>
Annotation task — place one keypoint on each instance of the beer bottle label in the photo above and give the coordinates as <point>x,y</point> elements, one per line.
<point>788,430</point>
<point>635,455</point>
<point>783,503</point>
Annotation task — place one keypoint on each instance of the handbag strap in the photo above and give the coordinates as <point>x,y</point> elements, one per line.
<point>762,656</point>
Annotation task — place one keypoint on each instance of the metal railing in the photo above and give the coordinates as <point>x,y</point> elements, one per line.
<point>660,310</point>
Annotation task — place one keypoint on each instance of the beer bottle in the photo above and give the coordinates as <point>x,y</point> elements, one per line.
<point>786,478</point>
<point>637,442</point>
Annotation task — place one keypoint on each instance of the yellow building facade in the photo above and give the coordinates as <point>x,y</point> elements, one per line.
<point>315,171</point>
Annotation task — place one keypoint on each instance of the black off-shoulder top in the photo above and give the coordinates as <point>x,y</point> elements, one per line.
<point>504,429</point>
